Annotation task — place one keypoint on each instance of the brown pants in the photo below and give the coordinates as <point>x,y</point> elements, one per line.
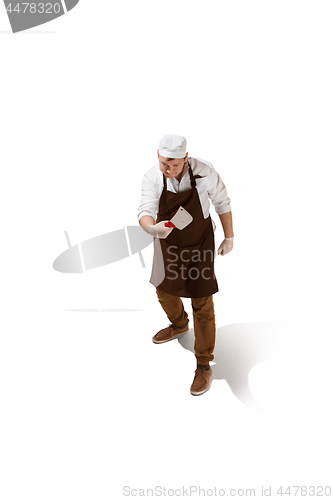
<point>203,318</point>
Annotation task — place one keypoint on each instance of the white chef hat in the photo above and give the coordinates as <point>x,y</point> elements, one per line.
<point>172,146</point>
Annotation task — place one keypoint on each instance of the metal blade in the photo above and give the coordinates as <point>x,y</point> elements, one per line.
<point>182,218</point>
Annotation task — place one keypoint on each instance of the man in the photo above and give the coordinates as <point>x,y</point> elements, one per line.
<point>184,258</point>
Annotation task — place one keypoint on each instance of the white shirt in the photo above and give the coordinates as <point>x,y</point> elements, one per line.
<point>210,187</point>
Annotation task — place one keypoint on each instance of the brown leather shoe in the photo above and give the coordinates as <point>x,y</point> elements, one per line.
<point>169,333</point>
<point>201,381</point>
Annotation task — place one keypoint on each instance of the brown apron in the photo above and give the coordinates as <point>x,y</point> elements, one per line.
<point>187,255</point>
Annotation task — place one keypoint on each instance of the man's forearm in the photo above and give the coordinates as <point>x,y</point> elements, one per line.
<point>226,221</point>
<point>146,220</point>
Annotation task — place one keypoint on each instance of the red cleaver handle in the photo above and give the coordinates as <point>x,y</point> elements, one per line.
<point>169,224</point>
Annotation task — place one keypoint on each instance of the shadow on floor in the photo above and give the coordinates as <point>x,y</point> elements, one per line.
<point>240,347</point>
<point>94,309</point>
<point>8,32</point>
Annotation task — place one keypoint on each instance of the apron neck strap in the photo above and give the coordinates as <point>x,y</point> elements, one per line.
<point>193,183</point>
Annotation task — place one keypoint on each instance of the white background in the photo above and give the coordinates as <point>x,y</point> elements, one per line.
<point>89,403</point>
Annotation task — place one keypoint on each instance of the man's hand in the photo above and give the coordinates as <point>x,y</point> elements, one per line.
<point>226,246</point>
<point>158,230</point>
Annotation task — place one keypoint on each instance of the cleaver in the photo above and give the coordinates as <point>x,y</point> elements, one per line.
<point>181,219</point>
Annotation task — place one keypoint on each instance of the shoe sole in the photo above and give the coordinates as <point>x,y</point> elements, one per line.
<point>168,340</point>
<point>199,393</point>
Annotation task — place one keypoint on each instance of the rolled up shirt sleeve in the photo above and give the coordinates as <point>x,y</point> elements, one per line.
<point>217,192</point>
<point>149,199</point>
